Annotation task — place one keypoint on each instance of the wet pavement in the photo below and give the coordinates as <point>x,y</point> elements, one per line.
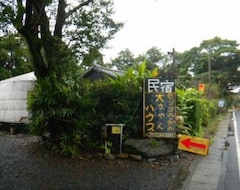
<point>206,170</point>
<point>24,166</point>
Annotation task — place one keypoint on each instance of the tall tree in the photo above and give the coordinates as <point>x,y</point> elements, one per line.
<point>216,61</point>
<point>153,57</point>
<point>124,60</point>
<point>59,34</point>
<point>54,29</point>
<point>221,59</point>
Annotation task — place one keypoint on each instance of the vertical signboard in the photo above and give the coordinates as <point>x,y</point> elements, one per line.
<point>159,108</point>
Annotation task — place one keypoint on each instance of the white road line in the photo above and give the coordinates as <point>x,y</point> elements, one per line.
<point>237,141</point>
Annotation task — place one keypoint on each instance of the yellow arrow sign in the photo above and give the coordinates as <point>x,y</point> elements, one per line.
<point>193,144</point>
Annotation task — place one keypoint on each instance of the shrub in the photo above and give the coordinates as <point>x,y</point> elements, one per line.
<point>73,111</point>
<point>196,111</point>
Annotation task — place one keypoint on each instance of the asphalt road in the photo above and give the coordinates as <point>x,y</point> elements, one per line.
<point>231,158</point>
<point>24,165</point>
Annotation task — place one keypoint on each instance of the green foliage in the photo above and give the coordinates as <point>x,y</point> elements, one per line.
<point>85,25</point>
<point>107,147</point>
<point>93,27</point>
<point>56,108</point>
<point>73,111</point>
<point>196,111</point>
<point>154,143</point>
<point>59,98</point>
<point>153,59</point>
<point>14,56</point>
<point>184,108</point>
<point>43,101</point>
<point>118,100</point>
<point>123,61</point>
<point>222,55</point>
<point>121,103</point>
<point>67,146</point>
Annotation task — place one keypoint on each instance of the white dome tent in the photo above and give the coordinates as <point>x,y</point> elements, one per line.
<point>13,98</point>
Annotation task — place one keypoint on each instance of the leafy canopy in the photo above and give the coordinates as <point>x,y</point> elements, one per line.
<point>14,57</point>
<point>83,27</point>
<point>220,56</point>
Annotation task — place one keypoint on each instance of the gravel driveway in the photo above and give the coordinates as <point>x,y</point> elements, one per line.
<point>24,167</point>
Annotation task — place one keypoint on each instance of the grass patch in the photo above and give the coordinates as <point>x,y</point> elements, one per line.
<point>210,131</point>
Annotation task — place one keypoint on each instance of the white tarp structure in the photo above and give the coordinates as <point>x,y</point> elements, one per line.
<point>13,98</point>
<point>236,90</point>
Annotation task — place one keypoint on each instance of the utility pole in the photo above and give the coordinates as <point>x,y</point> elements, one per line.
<point>173,67</point>
<point>209,77</point>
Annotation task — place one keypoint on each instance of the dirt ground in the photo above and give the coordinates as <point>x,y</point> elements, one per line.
<point>23,166</point>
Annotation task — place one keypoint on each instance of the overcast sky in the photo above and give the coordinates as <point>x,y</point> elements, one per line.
<point>168,24</point>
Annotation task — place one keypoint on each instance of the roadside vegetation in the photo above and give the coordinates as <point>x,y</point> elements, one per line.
<point>70,109</point>
<point>210,131</point>
<point>87,106</point>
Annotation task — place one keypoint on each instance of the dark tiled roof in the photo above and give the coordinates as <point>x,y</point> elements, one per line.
<point>105,70</point>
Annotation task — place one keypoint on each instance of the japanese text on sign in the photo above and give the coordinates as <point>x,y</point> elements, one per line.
<point>156,85</point>
<point>159,108</point>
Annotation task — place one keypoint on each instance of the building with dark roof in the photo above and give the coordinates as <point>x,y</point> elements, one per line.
<point>98,72</point>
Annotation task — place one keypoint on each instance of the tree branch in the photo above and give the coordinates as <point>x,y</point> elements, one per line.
<point>36,21</point>
<point>78,7</point>
<point>19,18</point>
<point>61,16</point>
<point>28,13</point>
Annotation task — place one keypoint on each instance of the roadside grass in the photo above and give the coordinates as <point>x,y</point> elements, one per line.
<point>210,131</point>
